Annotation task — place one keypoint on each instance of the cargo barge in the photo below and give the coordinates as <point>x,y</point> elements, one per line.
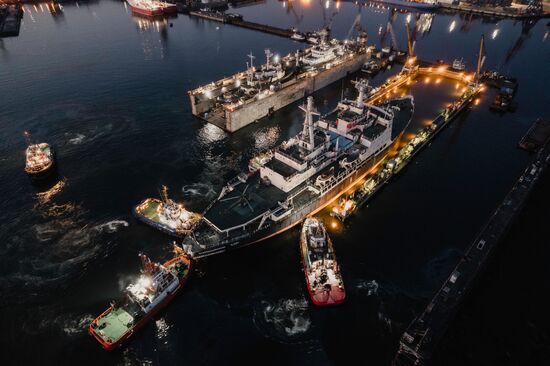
<point>236,101</point>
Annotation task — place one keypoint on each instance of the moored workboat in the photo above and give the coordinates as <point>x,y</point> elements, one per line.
<point>166,215</point>
<point>323,277</point>
<point>157,285</point>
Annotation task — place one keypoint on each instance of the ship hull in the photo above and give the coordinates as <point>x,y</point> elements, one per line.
<point>146,318</point>
<point>336,296</point>
<point>296,218</point>
<point>147,12</point>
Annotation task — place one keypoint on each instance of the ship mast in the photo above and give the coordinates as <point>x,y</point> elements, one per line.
<point>250,70</point>
<point>308,121</point>
<point>148,266</point>
<point>164,194</point>
<point>268,55</point>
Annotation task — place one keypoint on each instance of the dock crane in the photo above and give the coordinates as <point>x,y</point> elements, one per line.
<point>410,42</point>
<point>389,29</point>
<point>327,24</point>
<point>290,8</point>
<point>410,65</point>
<point>480,59</point>
<point>356,23</point>
<point>526,26</point>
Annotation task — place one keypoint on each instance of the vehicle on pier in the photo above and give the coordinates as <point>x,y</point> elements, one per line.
<point>166,215</point>
<point>304,174</point>
<point>154,289</point>
<point>323,278</point>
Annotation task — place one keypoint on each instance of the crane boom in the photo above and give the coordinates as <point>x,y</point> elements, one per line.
<point>480,57</point>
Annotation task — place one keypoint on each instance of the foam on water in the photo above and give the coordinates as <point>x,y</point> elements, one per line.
<point>203,190</point>
<point>285,319</point>
<point>77,139</point>
<point>111,226</point>
<point>371,287</point>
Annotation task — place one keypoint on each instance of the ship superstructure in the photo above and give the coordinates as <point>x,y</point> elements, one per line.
<point>303,174</point>
<point>245,97</point>
<point>155,287</point>
<point>323,278</point>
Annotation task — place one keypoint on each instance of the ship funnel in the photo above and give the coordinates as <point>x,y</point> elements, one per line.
<point>361,86</point>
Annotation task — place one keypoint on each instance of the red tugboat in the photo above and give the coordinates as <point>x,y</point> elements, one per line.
<point>157,285</point>
<point>323,277</point>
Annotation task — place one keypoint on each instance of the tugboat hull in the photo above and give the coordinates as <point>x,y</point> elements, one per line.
<point>109,346</point>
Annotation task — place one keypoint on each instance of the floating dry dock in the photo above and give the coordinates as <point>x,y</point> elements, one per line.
<point>421,337</point>
<point>236,101</point>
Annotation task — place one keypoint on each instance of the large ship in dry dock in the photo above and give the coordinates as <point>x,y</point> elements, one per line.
<point>243,98</point>
<point>302,175</point>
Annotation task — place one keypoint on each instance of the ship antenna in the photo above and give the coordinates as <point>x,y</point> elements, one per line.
<point>164,193</point>
<point>148,266</point>
<point>251,56</point>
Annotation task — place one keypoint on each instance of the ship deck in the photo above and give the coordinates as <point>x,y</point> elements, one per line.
<point>150,210</point>
<point>232,210</point>
<point>116,323</point>
<point>253,198</point>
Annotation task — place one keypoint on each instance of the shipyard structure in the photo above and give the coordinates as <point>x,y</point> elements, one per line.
<point>238,100</point>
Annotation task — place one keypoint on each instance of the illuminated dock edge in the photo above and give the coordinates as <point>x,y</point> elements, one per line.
<point>421,337</point>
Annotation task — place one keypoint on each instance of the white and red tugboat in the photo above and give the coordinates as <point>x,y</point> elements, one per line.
<point>323,277</point>
<point>156,287</point>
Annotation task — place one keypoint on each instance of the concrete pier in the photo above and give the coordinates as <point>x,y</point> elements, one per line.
<point>421,337</point>
<point>237,20</point>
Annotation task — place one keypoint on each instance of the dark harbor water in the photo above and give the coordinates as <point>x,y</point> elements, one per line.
<point>109,90</point>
